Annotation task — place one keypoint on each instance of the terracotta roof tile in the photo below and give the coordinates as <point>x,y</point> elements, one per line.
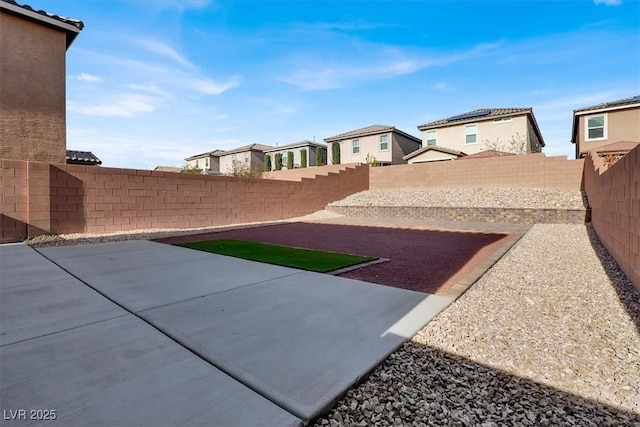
<point>612,104</point>
<point>482,114</point>
<point>82,158</point>
<point>365,131</point>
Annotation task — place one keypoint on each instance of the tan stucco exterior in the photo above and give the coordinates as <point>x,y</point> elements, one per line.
<point>620,125</point>
<point>432,156</point>
<point>253,159</point>
<point>297,155</point>
<point>212,163</point>
<point>398,146</point>
<point>494,130</point>
<point>32,90</point>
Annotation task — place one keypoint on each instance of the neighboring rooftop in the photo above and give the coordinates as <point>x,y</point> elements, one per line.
<point>71,26</point>
<point>304,143</point>
<point>214,153</point>
<point>487,153</point>
<point>472,116</point>
<point>612,104</point>
<point>86,158</point>
<point>370,130</point>
<point>617,147</point>
<point>434,148</point>
<point>167,169</point>
<point>250,147</point>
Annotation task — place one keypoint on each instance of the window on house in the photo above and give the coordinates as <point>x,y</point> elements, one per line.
<point>502,120</point>
<point>355,146</point>
<point>470,134</point>
<point>431,137</point>
<point>384,142</point>
<point>596,127</point>
<point>234,159</point>
<point>246,157</point>
<point>284,158</point>
<point>197,164</point>
<point>206,163</point>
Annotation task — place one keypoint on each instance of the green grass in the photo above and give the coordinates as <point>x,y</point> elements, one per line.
<point>304,259</point>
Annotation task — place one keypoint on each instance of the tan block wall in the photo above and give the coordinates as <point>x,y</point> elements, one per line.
<point>80,199</point>
<point>32,91</point>
<point>13,195</point>
<point>525,171</point>
<point>311,172</point>
<point>614,197</point>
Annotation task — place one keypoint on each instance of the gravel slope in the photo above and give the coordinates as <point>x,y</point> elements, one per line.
<point>549,336</point>
<point>469,197</point>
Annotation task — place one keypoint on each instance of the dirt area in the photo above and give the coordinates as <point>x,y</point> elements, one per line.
<point>427,260</point>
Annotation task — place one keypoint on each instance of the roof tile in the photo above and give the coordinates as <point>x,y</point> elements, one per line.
<point>493,112</point>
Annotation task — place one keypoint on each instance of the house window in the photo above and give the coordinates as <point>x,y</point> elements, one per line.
<point>284,158</point>
<point>502,120</point>
<point>246,157</point>
<point>384,142</point>
<point>596,127</point>
<point>470,134</point>
<point>234,159</point>
<point>355,146</point>
<point>206,163</point>
<point>431,137</point>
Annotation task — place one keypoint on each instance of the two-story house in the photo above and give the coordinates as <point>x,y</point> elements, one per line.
<point>248,158</point>
<point>386,144</point>
<point>208,162</point>
<point>33,47</point>
<point>497,129</point>
<point>305,148</point>
<point>599,127</point>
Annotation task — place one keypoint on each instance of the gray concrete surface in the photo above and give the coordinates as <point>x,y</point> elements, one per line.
<point>188,337</point>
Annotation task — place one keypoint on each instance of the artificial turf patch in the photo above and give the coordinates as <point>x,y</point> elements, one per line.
<point>304,259</point>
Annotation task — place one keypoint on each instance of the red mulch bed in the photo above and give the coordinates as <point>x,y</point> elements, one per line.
<point>420,260</point>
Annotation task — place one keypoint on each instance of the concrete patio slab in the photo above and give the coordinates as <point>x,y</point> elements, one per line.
<point>124,372</point>
<point>184,274</point>
<point>20,265</point>
<point>300,340</point>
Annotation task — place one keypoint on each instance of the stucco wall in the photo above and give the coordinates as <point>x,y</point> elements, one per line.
<point>454,136</point>
<point>431,156</point>
<point>32,91</point>
<point>622,125</point>
<point>403,146</point>
<point>297,156</point>
<point>614,197</point>
<point>368,145</point>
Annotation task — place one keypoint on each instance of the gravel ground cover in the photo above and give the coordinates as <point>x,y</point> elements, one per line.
<point>549,336</point>
<point>469,197</point>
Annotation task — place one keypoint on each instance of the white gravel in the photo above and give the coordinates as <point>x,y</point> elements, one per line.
<point>468,197</point>
<point>549,336</point>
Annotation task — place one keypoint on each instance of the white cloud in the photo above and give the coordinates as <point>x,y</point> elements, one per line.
<point>149,88</point>
<point>441,86</point>
<point>164,50</point>
<point>123,105</point>
<point>209,87</point>
<point>608,2</point>
<point>89,78</point>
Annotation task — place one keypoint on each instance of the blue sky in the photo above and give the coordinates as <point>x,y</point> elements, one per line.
<point>150,82</point>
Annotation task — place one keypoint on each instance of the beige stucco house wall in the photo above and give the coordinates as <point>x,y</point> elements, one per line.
<point>386,144</point>
<point>425,155</point>
<point>492,131</point>
<point>209,161</point>
<point>621,123</point>
<point>296,150</point>
<point>249,156</point>
<point>32,84</point>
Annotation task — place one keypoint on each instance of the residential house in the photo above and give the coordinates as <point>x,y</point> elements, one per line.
<point>433,153</point>
<point>308,148</point>
<point>33,90</point>
<point>503,129</point>
<point>208,162</point>
<point>386,144</point>
<point>85,158</point>
<point>167,169</point>
<point>249,157</point>
<point>602,124</point>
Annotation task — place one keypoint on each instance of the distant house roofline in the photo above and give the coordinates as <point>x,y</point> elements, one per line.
<point>71,27</point>
<point>485,114</point>
<point>304,143</point>
<point>437,148</point>
<point>214,153</point>
<point>370,130</point>
<point>604,107</point>
<point>75,157</point>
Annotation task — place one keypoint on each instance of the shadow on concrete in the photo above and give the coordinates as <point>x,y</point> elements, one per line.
<point>422,385</point>
<point>419,260</point>
<point>629,296</point>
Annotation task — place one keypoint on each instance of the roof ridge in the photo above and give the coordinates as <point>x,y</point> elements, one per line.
<point>71,21</point>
